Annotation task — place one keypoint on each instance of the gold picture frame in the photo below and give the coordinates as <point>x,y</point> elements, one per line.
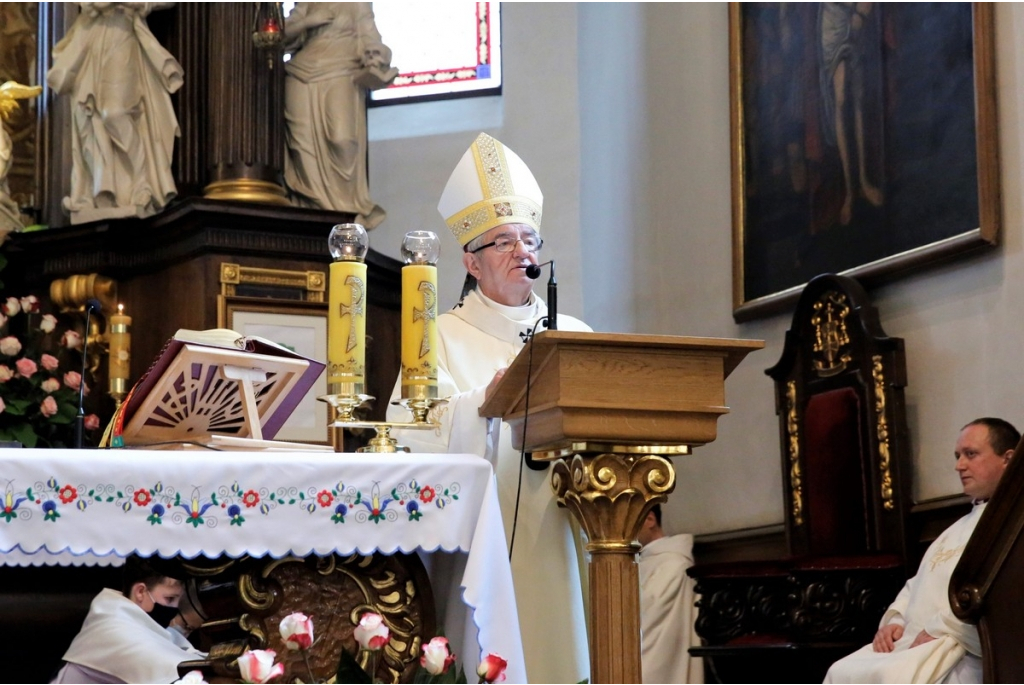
<point>918,181</point>
<point>300,326</point>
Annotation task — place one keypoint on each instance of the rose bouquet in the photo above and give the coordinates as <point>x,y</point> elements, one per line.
<point>437,663</point>
<point>38,397</point>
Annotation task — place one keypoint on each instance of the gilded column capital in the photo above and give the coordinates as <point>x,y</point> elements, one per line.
<point>610,494</point>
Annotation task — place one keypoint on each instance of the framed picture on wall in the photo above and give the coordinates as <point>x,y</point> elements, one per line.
<point>864,142</point>
<point>302,328</point>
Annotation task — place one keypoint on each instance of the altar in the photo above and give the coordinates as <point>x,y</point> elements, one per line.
<point>75,508</point>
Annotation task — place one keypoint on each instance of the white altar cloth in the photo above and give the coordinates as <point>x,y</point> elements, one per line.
<point>66,507</point>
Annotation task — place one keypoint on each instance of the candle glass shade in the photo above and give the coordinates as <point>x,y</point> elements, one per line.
<point>346,322</point>
<point>420,251</point>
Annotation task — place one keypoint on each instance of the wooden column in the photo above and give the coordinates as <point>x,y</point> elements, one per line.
<point>245,100</point>
<point>610,494</point>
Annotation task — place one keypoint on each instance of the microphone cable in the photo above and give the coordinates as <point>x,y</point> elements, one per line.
<point>522,449</point>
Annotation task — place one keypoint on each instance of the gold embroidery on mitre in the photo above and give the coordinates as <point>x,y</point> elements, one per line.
<point>484,215</point>
<point>491,167</point>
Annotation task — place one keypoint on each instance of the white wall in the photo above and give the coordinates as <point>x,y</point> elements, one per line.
<point>622,111</point>
<point>537,117</point>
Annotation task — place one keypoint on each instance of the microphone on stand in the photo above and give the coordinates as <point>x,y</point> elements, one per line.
<point>91,305</point>
<point>533,271</point>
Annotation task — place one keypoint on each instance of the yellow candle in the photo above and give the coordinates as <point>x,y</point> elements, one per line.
<point>346,327</point>
<point>120,350</point>
<point>419,331</point>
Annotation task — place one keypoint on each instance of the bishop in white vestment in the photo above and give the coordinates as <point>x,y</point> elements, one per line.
<point>493,206</point>
<point>919,639</point>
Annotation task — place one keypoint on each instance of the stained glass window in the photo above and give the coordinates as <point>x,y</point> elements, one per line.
<point>441,49</point>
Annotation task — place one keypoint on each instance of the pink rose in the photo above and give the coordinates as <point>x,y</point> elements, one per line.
<point>492,669</point>
<point>72,379</point>
<point>297,631</point>
<point>48,323</point>
<point>5,373</point>
<point>26,367</point>
<point>257,666</point>
<point>50,385</point>
<point>92,422</point>
<point>49,362</point>
<point>10,346</point>
<point>71,340</point>
<point>48,407</point>
<point>11,306</point>
<point>2,405</point>
<point>371,633</point>
<point>436,656</point>
<point>30,304</point>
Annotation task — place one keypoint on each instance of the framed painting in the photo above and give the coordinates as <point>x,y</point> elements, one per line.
<point>864,142</point>
<point>299,326</point>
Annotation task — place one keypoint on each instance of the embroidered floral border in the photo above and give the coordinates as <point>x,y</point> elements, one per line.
<point>162,504</point>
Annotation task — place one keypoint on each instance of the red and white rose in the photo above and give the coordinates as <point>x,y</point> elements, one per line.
<point>492,669</point>
<point>371,633</point>
<point>437,657</point>
<point>297,631</point>
<point>71,340</point>
<point>257,666</point>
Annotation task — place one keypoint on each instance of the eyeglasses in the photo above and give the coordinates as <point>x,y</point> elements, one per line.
<point>507,243</point>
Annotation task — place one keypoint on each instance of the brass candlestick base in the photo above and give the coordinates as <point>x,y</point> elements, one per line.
<point>419,406</point>
<point>345,404</point>
<point>382,442</point>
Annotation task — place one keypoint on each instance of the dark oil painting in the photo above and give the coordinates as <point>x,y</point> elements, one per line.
<point>857,137</point>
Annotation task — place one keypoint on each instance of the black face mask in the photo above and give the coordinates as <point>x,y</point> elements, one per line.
<point>162,613</point>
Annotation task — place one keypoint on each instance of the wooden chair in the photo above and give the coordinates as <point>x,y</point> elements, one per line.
<point>846,475</point>
<point>985,587</point>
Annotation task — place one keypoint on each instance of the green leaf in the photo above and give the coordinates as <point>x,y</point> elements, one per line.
<point>17,407</point>
<point>349,670</point>
<point>24,434</point>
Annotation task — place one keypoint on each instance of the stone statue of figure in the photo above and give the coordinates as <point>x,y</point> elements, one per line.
<point>10,93</point>
<point>337,55</point>
<point>120,80</point>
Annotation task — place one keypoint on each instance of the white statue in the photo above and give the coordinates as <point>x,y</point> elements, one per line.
<point>120,79</point>
<point>337,56</point>
<point>10,93</point>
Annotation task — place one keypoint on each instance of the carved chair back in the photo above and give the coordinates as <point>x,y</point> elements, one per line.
<point>842,422</point>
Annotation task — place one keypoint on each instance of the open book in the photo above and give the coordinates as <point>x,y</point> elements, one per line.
<point>215,383</point>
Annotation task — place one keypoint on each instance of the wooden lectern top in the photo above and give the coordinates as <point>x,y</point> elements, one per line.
<point>615,388</point>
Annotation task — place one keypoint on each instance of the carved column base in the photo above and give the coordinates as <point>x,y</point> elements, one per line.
<point>610,494</point>
<point>247,190</point>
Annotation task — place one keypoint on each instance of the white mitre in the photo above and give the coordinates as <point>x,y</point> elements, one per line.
<point>490,187</point>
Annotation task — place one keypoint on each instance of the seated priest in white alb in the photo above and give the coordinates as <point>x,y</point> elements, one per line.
<point>920,640</point>
<point>667,611</point>
<point>492,205</point>
<point>134,636</point>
